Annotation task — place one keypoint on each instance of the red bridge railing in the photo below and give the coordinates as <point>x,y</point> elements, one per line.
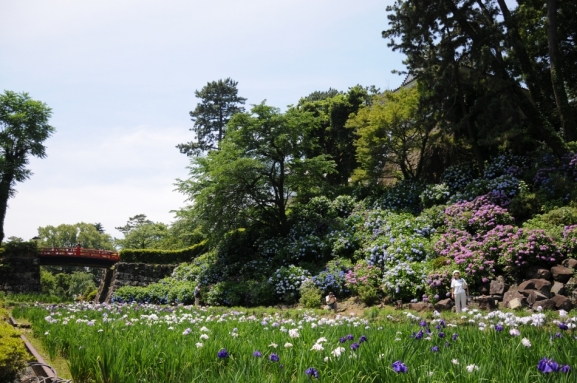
<point>79,252</point>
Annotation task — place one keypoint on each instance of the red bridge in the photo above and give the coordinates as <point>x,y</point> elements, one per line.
<point>78,256</point>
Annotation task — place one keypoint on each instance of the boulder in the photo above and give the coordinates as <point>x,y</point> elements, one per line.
<point>537,273</point>
<point>558,288</point>
<point>532,296</point>
<point>561,273</point>
<point>541,285</point>
<point>444,304</point>
<point>547,304</point>
<point>419,306</point>
<point>570,262</point>
<point>497,288</point>
<point>562,302</point>
<point>486,303</point>
<point>515,304</point>
<point>510,295</point>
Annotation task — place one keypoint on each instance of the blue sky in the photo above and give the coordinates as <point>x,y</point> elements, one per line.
<point>120,76</point>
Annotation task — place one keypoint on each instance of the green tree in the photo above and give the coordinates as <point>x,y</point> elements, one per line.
<point>261,167</point>
<point>441,38</point>
<point>23,130</point>
<point>330,134</point>
<point>79,283</point>
<point>391,132</point>
<point>66,235</point>
<point>219,102</point>
<point>142,233</point>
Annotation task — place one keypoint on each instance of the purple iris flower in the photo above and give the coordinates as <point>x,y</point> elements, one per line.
<point>222,354</point>
<point>499,327</point>
<point>399,367</point>
<point>547,365</point>
<point>362,339</point>
<point>273,357</point>
<point>442,323</point>
<point>423,323</point>
<point>354,346</point>
<point>350,337</point>
<point>342,340</point>
<point>455,336</point>
<point>563,326</point>
<point>311,372</point>
<point>441,335</point>
<point>565,369</point>
<point>558,335</point>
<point>419,334</point>
<point>257,354</point>
<point>435,348</point>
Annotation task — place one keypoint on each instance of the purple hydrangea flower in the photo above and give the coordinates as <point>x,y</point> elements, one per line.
<point>400,367</point>
<point>222,354</point>
<point>257,354</point>
<point>273,357</point>
<point>311,372</point>
<point>547,365</point>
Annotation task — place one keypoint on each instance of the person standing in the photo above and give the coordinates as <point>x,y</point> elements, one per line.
<point>197,295</point>
<point>459,291</point>
<point>332,302</point>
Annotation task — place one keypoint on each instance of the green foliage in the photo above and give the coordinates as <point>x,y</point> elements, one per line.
<point>311,295</point>
<point>162,256</point>
<point>85,234</point>
<point>391,135</point>
<point>19,249</point>
<point>23,130</point>
<point>141,233</point>
<point>435,195</point>
<point>219,102</point>
<point>369,295</point>
<point>259,169</point>
<point>13,355</point>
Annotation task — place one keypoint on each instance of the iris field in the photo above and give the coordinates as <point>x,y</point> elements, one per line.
<point>147,343</point>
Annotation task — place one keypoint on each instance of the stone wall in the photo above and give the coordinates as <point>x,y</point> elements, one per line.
<point>130,274</point>
<point>19,274</point>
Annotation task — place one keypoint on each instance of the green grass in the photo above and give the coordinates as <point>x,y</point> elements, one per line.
<point>127,347</point>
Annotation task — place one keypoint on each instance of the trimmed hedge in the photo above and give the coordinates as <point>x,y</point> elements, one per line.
<point>17,249</point>
<point>163,257</point>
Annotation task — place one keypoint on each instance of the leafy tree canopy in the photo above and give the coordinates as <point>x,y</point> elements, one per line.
<point>261,167</point>
<point>66,235</point>
<point>23,129</point>
<point>142,233</point>
<point>219,102</point>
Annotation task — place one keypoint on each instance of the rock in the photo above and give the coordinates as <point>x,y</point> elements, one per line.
<point>486,303</point>
<point>547,304</point>
<point>533,296</point>
<point>537,273</point>
<point>558,288</point>
<point>515,304</point>
<point>510,295</point>
<point>561,273</point>
<point>497,288</point>
<point>541,285</point>
<point>444,304</point>
<point>419,306</point>
<point>570,262</point>
<point>562,302</point>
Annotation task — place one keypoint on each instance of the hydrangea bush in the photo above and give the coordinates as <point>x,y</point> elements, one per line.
<point>405,280</point>
<point>287,281</point>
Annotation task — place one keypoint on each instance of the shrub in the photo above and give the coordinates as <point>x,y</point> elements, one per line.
<point>363,274</point>
<point>154,256</point>
<point>19,249</point>
<point>311,295</point>
<point>369,295</point>
<point>528,247</point>
<point>12,352</point>
<point>457,177</point>
<point>479,215</point>
<point>404,280</point>
<point>404,196</point>
<point>333,278</point>
<point>287,281</point>
<point>439,283</point>
<point>435,195</point>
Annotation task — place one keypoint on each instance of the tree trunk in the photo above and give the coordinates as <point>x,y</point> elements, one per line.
<point>4,195</point>
<point>557,81</point>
